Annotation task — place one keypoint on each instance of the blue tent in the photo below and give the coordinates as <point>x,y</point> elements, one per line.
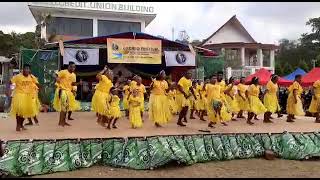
<point>294,73</point>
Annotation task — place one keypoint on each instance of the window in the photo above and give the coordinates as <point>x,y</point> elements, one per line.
<point>70,26</point>
<point>106,27</point>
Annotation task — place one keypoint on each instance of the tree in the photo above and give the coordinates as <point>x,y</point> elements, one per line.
<point>11,43</point>
<point>303,65</point>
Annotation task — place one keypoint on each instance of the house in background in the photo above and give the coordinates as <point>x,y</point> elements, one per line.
<point>243,55</point>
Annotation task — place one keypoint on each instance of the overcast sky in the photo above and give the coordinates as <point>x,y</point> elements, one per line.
<point>267,22</point>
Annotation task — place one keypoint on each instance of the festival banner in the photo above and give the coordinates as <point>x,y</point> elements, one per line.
<point>138,51</point>
<point>179,58</point>
<point>81,56</point>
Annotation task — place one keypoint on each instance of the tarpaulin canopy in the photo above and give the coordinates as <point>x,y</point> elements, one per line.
<point>311,77</point>
<point>129,35</point>
<point>284,82</point>
<point>264,76</point>
<point>292,75</point>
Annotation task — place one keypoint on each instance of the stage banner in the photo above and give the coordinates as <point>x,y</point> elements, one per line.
<point>179,58</point>
<point>138,51</point>
<point>81,56</point>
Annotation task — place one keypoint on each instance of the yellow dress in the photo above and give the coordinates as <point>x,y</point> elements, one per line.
<point>172,101</point>
<point>292,107</point>
<point>181,100</point>
<point>141,91</point>
<point>134,112</point>
<point>67,100</point>
<point>242,102</point>
<point>159,109</point>
<point>256,106</point>
<point>36,96</point>
<point>270,98</point>
<point>232,102</point>
<point>194,101</point>
<point>126,91</point>
<point>214,96</point>
<point>223,98</point>
<point>315,103</point>
<point>114,108</point>
<point>202,98</point>
<point>23,100</point>
<point>100,98</point>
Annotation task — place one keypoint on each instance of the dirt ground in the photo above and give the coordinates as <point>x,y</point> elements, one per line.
<point>224,169</point>
<point>85,126</point>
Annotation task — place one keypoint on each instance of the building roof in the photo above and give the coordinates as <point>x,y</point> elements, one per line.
<point>232,20</point>
<point>39,9</point>
<point>128,35</point>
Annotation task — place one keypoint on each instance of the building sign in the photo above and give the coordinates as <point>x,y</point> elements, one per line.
<point>100,6</point>
<point>139,51</point>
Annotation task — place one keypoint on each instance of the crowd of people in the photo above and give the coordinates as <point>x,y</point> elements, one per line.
<point>215,99</point>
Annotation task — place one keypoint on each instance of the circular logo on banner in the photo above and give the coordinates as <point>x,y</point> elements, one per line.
<point>82,56</point>
<point>181,58</point>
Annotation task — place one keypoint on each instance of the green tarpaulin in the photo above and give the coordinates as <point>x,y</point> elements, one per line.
<point>211,65</point>
<point>23,158</point>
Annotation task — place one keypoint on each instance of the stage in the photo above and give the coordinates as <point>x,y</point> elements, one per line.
<point>48,148</point>
<point>84,126</point>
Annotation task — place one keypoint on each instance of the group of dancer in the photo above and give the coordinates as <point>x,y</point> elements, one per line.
<point>219,101</point>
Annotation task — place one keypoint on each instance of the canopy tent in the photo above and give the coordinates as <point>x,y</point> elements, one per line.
<point>311,77</point>
<point>264,76</point>
<point>292,75</point>
<point>284,82</point>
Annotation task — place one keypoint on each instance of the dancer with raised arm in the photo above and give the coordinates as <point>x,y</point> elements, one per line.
<point>64,100</point>
<point>100,97</point>
<point>159,109</point>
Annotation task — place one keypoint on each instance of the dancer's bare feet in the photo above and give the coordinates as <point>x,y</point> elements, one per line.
<point>181,124</point>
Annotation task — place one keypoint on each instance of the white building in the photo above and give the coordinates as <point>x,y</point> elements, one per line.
<point>243,55</point>
<point>75,20</point>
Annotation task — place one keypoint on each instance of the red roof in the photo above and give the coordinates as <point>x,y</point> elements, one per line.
<point>311,77</point>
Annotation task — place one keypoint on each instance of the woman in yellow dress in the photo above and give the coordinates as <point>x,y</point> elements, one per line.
<point>114,112</point>
<point>159,111</point>
<point>64,100</point>
<point>294,103</point>
<point>172,99</point>
<point>315,102</point>
<point>23,102</point>
<point>202,100</point>
<point>242,98</point>
<point>256,106</point>
<point>230,92</point>
<point>100,98</point>
<point>194,100</point>
<point>36,102</point>
<point>217,111</point>
<point>183,97</point>
<point>134,110</point>
<point>271,100</point>
<point>126,92</point>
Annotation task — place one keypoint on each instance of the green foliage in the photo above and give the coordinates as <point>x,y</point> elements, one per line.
<point>300,53</point>
<point>11,43</point>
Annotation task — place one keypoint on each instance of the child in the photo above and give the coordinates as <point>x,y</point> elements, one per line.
<point>114,112</point>
<point>126,91</point>
<point>193,100</point>
<point>134,110</point>
<point>172,99</point>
